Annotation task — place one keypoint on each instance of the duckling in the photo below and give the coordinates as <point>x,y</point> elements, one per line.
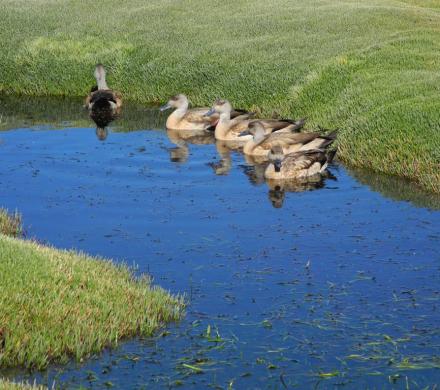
<point>229,128</point>
<point>184,118</point>
<point>300,165</point>
<point>101,96</point>
<point>261,143</point>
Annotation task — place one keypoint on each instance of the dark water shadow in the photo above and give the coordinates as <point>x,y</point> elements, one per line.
<point>396,188</point>
<point>55,112</point>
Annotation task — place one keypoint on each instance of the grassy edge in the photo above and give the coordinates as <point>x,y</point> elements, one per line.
<point>57,304</point>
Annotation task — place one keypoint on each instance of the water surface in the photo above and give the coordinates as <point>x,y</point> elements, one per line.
<point>328,285</point>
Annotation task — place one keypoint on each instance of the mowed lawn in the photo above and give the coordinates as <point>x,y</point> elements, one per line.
<point>370,68</point>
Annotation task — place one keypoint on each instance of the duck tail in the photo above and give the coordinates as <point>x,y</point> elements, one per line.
<point>329,138</point>
<point>332,134</point>
<point>331,155</point>
<point>299,124</point>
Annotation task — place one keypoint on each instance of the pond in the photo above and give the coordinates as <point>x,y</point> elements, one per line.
<point>320,286</point>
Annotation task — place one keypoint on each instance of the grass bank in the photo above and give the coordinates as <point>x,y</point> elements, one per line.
<point>369,67</point>
<point>56,305</point>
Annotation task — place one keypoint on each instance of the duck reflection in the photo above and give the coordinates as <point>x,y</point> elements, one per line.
<point>223,166</point>
<point>103,115</point>
<point>254,172</point>
<point>225,150</point>
<point>182,138</point>
<point>256,166</point>
<point>278,188</point>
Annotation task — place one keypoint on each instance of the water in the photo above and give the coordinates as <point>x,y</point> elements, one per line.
<point>336,286</point>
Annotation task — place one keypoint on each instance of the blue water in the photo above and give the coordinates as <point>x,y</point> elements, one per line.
<point>340,286</point>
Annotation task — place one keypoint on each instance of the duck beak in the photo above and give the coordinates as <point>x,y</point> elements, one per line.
<point>210,112</point>
<point>277,165</point>
<point>245,132</point>
<point>165,107</point>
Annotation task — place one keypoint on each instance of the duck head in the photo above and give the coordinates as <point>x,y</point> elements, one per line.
<point>276,157</point>
<point>220,106</point>
<point>256,129</point>
<point>179,101</point>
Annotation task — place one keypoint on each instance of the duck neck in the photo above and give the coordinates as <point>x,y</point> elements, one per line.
<point>176,116</point>
<point>181,110</point>
<point>249,146</point>
<point>223,126</point>
<point>253,143</point>
<point>100,80</point>
<point>225,117</point>
<point>259,137</point>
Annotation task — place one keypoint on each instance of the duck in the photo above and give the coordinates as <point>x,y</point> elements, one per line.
<point>300,165</point>
<point>231,128</point>
<point>261,142</point>
<point>184,118</point>
<point>101,97</point>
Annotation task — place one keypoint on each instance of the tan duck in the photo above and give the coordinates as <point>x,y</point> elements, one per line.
<point>229,128</point>
<point>184,118</point>
<point>101,97</point>
<point>300,165</point>
<point>261,143</point>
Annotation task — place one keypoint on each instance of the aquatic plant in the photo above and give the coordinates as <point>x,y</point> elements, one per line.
<point>9,385</point>
<point>10,224</point>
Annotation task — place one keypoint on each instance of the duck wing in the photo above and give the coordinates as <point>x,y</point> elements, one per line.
<point>239,124</point>
<point>239,112</point>
<point>197,115</point>
<point>321,142</point>
<point>303,160</point>
<point>279,124</point>
<point>291,138</point>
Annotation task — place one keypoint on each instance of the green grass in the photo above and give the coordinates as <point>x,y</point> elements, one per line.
<point>8,385</point>
<point>368,67</point>
<point>57,305</point>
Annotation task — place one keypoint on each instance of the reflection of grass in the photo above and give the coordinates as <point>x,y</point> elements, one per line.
<point>10,224</point>
<point>7,385</point>
<point>55,305</point>
<point>26,111</point>
<point>397,188</point>
<point>368,67</point>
